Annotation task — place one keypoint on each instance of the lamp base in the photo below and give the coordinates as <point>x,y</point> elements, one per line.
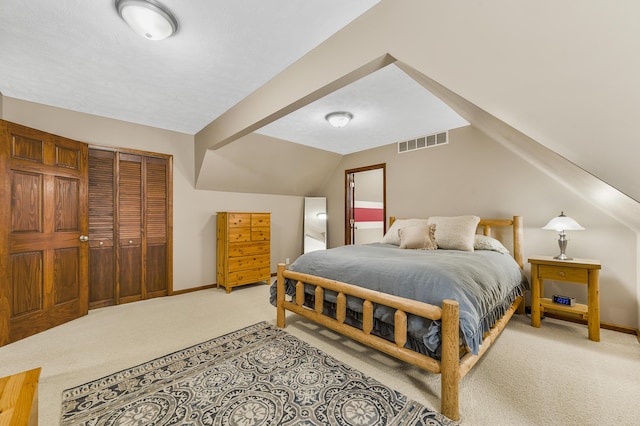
<point>562,243</point>
<point>563,256</point>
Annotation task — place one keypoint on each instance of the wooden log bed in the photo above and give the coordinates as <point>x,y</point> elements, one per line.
<point>451,365</point>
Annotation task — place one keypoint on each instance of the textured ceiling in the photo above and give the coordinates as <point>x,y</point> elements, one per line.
<point>79,55</point>
<point>387,106</point>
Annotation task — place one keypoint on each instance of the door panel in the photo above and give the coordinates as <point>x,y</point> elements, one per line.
<point>66,204</point>
<point>102,272</point>
<point>26,283</point>
<point>130,273</point>
<point>156,276</point>
<point>101,277</point>
<point>156,207</point>
<point>26,190</point>
<point>129,257</point>
<point>66,282</point>
<point>44,263</point>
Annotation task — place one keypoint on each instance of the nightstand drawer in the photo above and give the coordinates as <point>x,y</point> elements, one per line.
<point>563,273</point>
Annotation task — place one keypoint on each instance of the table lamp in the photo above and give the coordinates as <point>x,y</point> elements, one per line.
<point>563,223</point>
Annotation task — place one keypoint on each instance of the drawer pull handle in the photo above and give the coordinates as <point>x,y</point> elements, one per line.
<point>562,274</point>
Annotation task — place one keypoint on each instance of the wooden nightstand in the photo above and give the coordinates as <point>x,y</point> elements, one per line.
<point>580,271</point>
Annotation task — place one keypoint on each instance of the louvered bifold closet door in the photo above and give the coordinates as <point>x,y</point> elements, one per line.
<point>102,250</point>
<point>130,208</point>
<point>129,228</point>
<point>155,213</point>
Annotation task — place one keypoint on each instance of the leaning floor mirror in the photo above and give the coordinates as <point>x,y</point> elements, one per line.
<point>315,224</point>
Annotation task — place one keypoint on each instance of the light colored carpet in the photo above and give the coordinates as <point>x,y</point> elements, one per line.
<point>552,375</point>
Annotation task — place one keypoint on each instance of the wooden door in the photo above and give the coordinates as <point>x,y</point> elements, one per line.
<point>156,225</point>
<point>43,218</point>
<point>129,229</point>
<point>102,247</point>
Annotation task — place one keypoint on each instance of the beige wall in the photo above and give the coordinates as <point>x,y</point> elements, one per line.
<point>261,164</point>
<point>194,229</point>
<point>476,175</point>
<point>472,174</point>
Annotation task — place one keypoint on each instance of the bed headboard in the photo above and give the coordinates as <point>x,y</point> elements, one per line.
<point>487,225</point>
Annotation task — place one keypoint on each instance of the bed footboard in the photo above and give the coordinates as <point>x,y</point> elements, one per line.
<point>448,365</point>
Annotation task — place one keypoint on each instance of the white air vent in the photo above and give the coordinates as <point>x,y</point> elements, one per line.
<point>423,142</point>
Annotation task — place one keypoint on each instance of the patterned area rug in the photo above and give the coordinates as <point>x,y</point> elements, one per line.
<point>259,375</point>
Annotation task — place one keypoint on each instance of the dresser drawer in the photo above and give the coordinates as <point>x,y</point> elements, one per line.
<point>239,219</point>
<point>239,234</point>
<point>249,276</point>
<point>563,273</point>
<point>247,249</point>
<point>249,262</point>
<point>260,234</point>
<point>260,219</point>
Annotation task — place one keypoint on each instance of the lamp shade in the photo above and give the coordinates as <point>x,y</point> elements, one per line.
<point>563,223</point>
<point>148,18</point>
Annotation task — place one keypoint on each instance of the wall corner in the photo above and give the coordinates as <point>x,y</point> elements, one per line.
<point>638,280</point>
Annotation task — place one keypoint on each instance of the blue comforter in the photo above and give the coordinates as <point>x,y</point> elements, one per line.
<point>484,283</point>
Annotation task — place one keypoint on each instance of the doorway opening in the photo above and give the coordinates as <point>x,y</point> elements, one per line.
<point>365,204</point>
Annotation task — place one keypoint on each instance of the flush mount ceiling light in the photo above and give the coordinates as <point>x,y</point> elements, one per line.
<point>148,18</point>
<point>339,119</point>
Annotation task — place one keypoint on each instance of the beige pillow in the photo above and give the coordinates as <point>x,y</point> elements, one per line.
<point>484,242</point>
<point>418,237</point>
<point>455,232</point>
<point>392,237</point>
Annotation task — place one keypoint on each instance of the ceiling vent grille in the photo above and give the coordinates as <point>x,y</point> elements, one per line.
<point>423,142</point>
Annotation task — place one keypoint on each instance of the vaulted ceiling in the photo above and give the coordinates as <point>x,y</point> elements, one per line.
<point>557,88</point>
<point>83,57</point>
<point>554,81</point>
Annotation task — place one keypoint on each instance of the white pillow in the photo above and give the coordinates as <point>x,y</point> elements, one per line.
<point>455,232</point>
<point>418,237</point>
<point>392,237</point>
<point>484,242</point>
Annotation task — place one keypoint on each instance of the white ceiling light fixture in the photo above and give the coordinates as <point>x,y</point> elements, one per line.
<point>339,119</point>
<point>148,18</point>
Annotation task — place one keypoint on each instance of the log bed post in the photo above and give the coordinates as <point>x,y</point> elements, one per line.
<point>449,362</point>
<point>280,312</point>
<point>518,236</point>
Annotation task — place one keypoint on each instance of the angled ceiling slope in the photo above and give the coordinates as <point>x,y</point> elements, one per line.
<point>260,164</point>
<point>374,41</point>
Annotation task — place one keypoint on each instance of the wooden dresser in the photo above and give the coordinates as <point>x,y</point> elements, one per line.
<point>244,249</point>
